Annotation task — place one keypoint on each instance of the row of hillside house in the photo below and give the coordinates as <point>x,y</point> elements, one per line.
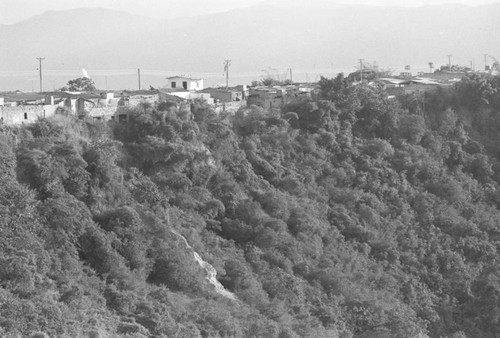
<point>19,108</point>
<point>275,97</point>
<point>410,84</point>
<point>231,94</point>
<point>228,99</point>
<point>222,99</point>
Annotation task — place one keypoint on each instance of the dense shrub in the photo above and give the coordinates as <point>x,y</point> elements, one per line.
<point>344,215</point>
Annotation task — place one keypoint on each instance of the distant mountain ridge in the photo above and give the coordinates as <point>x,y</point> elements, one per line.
<point>264,35</point>
<point>56,34</point>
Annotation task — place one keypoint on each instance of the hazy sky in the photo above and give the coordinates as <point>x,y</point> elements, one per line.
<point>12,11</point>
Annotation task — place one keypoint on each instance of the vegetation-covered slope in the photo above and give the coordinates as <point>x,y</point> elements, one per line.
<point>350,215</point>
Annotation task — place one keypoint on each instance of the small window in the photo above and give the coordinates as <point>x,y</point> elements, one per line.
<point>173,84</point>
<point>25,116</point>
<point>185,84</point>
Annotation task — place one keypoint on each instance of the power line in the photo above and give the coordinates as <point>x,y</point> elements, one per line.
<point>40,59</point>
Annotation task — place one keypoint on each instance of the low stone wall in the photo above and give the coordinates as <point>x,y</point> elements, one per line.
<point>276,102</point>
<point>266,102</point>
<point>103,113</point>
<point>136,99</point>
<point>231,107</point>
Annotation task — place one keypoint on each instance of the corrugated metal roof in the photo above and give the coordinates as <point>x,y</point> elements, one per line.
<point>392,80</point>
<point>74,95</point>
<point>139,92</point>
<point>425,81</point>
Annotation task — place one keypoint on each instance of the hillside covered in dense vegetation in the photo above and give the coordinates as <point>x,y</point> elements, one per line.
<point>349,215</point>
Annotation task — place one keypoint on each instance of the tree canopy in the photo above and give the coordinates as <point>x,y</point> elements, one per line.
<point>350,215</point>
<point>81,84</point>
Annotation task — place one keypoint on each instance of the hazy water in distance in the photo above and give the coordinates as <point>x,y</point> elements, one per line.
<point>28,81</point>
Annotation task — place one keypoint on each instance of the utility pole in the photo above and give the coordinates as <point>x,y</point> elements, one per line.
<point>361,68</point>
<point>139,77</point>
<point>227,63</point>
<point>423,102</point>
<point>485,61</point>
<point>291,79</point>
<point>40,59</point>
<point>449,61</point>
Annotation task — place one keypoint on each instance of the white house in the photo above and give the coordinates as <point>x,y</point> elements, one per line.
<point>181,82</point>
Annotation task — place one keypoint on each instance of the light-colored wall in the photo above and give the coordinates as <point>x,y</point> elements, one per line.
<point>201,96</point>
<point>196,85</point>
<point>103,113</point>
<point>16,115</point>
<point>191,84</point>
<point>230,107</point>
<point>182,95</point>
<point>225,95</point>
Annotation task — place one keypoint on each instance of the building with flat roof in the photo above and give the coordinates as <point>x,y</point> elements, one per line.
<point>182,82</point>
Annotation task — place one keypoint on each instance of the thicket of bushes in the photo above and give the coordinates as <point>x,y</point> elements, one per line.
<point>350,215</point>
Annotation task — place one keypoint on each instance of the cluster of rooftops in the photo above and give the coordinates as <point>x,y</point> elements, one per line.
<point>181,87</point>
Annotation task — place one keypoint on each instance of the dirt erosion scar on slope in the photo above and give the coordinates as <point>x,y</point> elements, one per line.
<point>211,272</point>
